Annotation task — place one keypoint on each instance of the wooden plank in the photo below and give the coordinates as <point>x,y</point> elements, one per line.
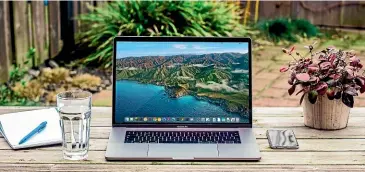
<point>21,28</point>
<point>84,10</point>
<point>76,12</point>
<point>55,42</point>
<point>305,145</point>
<point>101,117</point>
<point>5,41</point>
<point>307,10</point>
<point>331,16</point>
<point>257,112</point>
<point>83,6</point>
<point>353,15</point>
<point>274,9</point>
<point>260,133</point>
<point>176,168</point>
<point>30,28</point>
<point>270,158</point>
<point>101,3</point>
<point>39,31</point>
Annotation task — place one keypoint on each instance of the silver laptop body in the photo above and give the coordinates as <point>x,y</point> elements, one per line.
<point>182,98</point>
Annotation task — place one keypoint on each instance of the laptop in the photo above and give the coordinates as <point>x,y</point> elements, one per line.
<point>182,98</point>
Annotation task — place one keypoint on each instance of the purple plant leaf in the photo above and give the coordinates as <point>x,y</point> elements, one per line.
<point>354,59</point>
<point>322,57</point>
<point>312,69</point>
<point>284,69</point>
<point>330,93</point>
<point>325,65</point>
<point>335,76</point>
<point>292,49</point>
<point>362,89</point>
<point>301,99</point>
<point>332,58</point>
<point>321,88</point>
<point>338,95</point>
<point>351,91</point>
<point>331,82</point>
<point>348,100</point>
<point>303,77</point>
<point>359,65</point>
<point>312,96</point>
<point>291,90</point>
<point>313,79</point>
<point>359,81</point>
<point>350,73</point>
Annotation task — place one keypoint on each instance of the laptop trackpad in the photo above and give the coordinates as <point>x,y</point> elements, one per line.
<point>183,151</point>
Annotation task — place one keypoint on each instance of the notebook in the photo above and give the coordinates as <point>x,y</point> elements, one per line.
<point>15,126</point>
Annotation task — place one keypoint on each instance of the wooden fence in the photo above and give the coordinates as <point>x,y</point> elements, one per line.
<point>345,14</point>
<point>46,26</point>
<point>49,26</point>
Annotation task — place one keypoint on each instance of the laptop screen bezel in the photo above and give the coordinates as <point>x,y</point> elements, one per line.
<point>183,39</point>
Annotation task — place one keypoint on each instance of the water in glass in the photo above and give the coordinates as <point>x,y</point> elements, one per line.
<point>75,117</point>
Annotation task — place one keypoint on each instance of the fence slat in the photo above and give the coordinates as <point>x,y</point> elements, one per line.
<point>76,12</point>
<point>84,9</point>
<point>21,27</point>
<point>5,41</point>
<point>39,31</point>
<point>55,43</point>
<point>331,17</point>
<point>101,3</point>
<point>274,9</point>
<point>353,15</point>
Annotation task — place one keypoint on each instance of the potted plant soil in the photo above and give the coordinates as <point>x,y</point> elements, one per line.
<point>328,81</point>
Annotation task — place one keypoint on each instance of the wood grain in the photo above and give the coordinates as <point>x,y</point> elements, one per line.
<point>318,150</point>
<point>39,26</point>
<point>272,158</point>
<point>21,28</point>
<point>5,41</point>
<point>325,114</point>
<point>306,145</point>
<point>55,43</point>
<point>178,168</point>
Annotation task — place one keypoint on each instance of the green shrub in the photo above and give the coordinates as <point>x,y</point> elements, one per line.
<point>305,28</point>
<point>287,29</point>
<point>16,75</point>
<point>156,18</point>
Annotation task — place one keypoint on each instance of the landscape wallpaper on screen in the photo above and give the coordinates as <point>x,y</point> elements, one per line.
<point>182,79</point>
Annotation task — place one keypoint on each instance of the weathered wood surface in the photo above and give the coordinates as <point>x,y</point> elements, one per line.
<point>55,43</point>
<point>325,114</point>
<point>319,150</point>
<point>39,31</point>
<point>21,31</point>
<point>5,41</point>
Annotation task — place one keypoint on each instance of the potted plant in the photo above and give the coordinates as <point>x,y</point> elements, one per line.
<point>328,81</point>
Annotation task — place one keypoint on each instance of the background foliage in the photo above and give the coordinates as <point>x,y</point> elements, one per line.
<point>287,29</point>
<point>156,18</point>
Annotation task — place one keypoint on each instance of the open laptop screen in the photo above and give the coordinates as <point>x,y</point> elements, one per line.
<point>181,82</point>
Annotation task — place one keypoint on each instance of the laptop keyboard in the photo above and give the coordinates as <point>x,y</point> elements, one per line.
<point>203,137</point>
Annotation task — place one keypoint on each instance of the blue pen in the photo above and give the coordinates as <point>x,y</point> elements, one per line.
<point>39,129</point>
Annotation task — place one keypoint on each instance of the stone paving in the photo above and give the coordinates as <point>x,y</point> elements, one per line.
<point>269,85</point>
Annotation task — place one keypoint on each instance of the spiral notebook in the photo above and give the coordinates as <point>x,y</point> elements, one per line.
<point>15,126</point>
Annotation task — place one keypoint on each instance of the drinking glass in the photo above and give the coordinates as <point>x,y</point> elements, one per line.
<point>74,108</point>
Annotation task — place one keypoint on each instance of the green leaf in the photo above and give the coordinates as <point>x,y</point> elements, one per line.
<point>312,96</point>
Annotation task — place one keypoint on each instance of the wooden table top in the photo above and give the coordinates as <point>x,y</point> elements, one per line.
<point>319,150</point>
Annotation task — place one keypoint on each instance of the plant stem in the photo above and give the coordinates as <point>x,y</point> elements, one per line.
<point>293,57</point>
